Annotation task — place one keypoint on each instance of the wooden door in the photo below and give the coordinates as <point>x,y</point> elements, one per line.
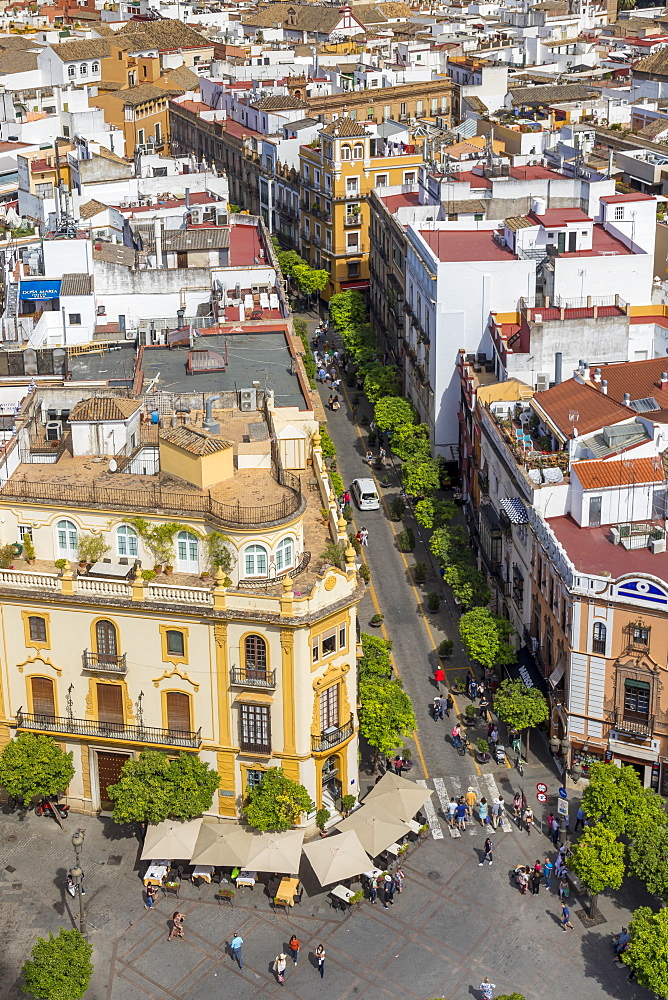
<point>178,712</point>
<point>43,698</point>
<point>108,772</point>
<point>110,704</point>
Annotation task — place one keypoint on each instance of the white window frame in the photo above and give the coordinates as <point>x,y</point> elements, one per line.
<point>256,560</point>
<point>127,540</point>
<point>285,561</point>
<point>67,539</point>
<point>187,552</point>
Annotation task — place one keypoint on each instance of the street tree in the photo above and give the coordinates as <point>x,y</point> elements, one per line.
<point>310,281</point>
<point>380,380</point>
<point>32,764</point>
<point>393,411</point>
<point>520,707</point>
<point>59,967</point>
<point>386,715</point>
<point>450,545</point>
<point>647,952</point>
<point>375,660</point>
<point>468,584</point>
<point>485,637</point>
<point>277,802</point>
<point>152,788</point>
<point>434,514</point>
<point>420,476</point>
<point>648,859</point>
<point>616,795</point>
<point>410,442</point>
<point>598,861</point>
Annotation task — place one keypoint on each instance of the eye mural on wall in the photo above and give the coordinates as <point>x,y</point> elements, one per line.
<point>643,590</point>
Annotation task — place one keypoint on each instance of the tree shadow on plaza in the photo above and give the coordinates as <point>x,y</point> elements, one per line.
<point>598,956</point>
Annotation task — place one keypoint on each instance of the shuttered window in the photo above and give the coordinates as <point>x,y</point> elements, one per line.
<point>178,712</point>
<point>43,698</point>
<point>329,709</point>
<point>256,656</point>
<point>110,704</point>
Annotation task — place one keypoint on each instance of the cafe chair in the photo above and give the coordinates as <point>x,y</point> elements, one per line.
<point>298,895</point>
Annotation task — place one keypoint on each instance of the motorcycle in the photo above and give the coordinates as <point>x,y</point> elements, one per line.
<point>52,807</point>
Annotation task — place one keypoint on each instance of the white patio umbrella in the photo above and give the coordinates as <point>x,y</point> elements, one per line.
<point>398,796</point>
<point>276,852</point>
<point>222,844</point>
<point>172,839</point>
<point>375,828</point>
<point>337,857</point>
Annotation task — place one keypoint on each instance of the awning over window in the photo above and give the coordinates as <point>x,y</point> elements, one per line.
<point>360,285</point>
<point>525,670</point>
<point>515,509</point>
<point>557,674</point>
<point>45,288</point>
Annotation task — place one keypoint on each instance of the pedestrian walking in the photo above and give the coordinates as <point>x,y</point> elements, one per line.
<point>554,831</point>
<point>534,879</point>
<point>151,893</point>
<point>364,536</point>
<point>522,878</point>
<point>346,498</point>
<point>564,888</point>
<point>528,819</point>
<point>293,947</point>
<point>470,798</point>
<point>468,679</point>
<point>235,948</point>
<point>449,705</point>
<point>368,457</point>
<point>565,917</point>
<point>398,764</point>
<point>452,811</point>
<point>483,812</point>
<point>177,925</point>
<point>548,868</point>
<point>353,411</point>
<point>494,737</point>
<point>439,678</point>
<point>517,808</point>
<point>436,707</point>
<point>381,455</point>
<point>320,958</point>
<point>579,819</point>
<point>462,813</point>
<point>388,891</point>
<point>495,813</point>
<point>486,989</point>
<point>487,850</point>
<point>473,689</point>
<point>484,705</point>
<point>481,690</point>
<point>399,877</point>
<point>279,967</point>
<point>373,891</point>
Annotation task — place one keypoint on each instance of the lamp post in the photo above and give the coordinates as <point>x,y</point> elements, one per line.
<point>77,878</point>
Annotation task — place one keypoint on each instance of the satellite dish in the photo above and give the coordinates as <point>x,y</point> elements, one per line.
<point>113,465</point>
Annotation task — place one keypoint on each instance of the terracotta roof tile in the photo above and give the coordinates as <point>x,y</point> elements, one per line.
<point>344,128</point>
<point>637,471</point>
<point>641,379</point>
<point>594,409</point>
<point>196,442</point>
<point>104,408</point>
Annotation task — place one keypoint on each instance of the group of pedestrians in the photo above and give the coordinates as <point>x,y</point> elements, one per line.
<point>384,887</point>
<point>281,960</point>
<point>478,689</point>
<point>442,706</point>
<point>462,811</point>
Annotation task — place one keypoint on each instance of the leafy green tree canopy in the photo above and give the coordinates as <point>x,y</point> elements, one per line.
<point>310,280</point>
<point>598,859</point>
<point>277,802</point>
<point>420,476</point>
<point>410,442</point>
<point>380,380</point>
<point>450,545</point>
<point>32,764</point>
<point>393,411</point>
<point>485,637</point>
<point>469,585</point>
<point>432,513</point>
<point>375,660</point>
<point>617,795</point>
<point>386,715</point>
<point>152,788</point>
<point>347,307</point>
<point>648,859</point>
<point>647,953</point>
<point>59,967</point>
<point>519,706</point>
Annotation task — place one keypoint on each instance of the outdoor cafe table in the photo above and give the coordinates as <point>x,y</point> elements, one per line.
<point>204,872</point>
<point>114,570</point>
<point>374,873</point>
<point>415,826</point>
<point>285,896</point>
<point>246,878</point>
<point>393,849</point>
<point>343,893</point>
<point>156,872</point>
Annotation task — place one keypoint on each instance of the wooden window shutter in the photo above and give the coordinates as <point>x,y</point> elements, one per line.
<point>178,712</point>
<point>43,700</point>
<point>110,703</point>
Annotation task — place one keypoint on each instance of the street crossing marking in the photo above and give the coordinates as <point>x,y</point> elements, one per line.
<point>432,818</point>
<point>483,785</point>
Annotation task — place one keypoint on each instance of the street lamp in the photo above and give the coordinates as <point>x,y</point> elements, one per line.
<point>77,878</point>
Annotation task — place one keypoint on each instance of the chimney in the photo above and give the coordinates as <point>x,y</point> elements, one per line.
<point>581,366</point>
<point>664,382</point>
<point>604,387</point>
<point>597,375</point>
<point>187,197</point>
<point>627,399</point>
<point>585,372</point>
<point>557,367</point>
<point>180,314</point>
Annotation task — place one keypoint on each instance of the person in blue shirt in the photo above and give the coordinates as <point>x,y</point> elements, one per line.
<point>235,947</point>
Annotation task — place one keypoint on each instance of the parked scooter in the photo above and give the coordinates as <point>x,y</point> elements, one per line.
<point>52,807</point>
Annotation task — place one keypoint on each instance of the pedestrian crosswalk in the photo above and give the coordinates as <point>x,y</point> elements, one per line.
<point>483,785</point>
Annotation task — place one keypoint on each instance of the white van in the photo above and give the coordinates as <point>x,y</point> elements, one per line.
<point>364,492</point>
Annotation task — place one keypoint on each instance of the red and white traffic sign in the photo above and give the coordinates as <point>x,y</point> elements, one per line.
<point>541,787</point>
<point>542,797</point>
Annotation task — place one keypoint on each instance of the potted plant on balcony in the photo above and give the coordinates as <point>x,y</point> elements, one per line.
<point>159,540</point>
<point>28,549</point>
<point>91,549</point>
<point>322,817</point>
<point>60,564</point>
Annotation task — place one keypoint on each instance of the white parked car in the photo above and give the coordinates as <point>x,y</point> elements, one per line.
<point>365,494</point>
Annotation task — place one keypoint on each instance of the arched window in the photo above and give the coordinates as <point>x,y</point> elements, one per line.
<point>68,540</point>
<point>83,69</point>
<point>255,650</point>
<point>187,552</point>
<point>178,712</point>
<point>284,554</point>
<point>95,68</point>
<point>43,697</point>
<point>345,152</point>
<point>598,645</point>
<point>358,151</point>
<point>106,641</point>
<point>255,560</point>
<point>71,71</point>
<point>126,541</point>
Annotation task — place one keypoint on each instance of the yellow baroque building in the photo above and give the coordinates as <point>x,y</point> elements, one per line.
<point>251,670</point>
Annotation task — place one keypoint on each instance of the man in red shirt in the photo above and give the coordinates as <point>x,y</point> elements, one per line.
<point>439,677</point>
